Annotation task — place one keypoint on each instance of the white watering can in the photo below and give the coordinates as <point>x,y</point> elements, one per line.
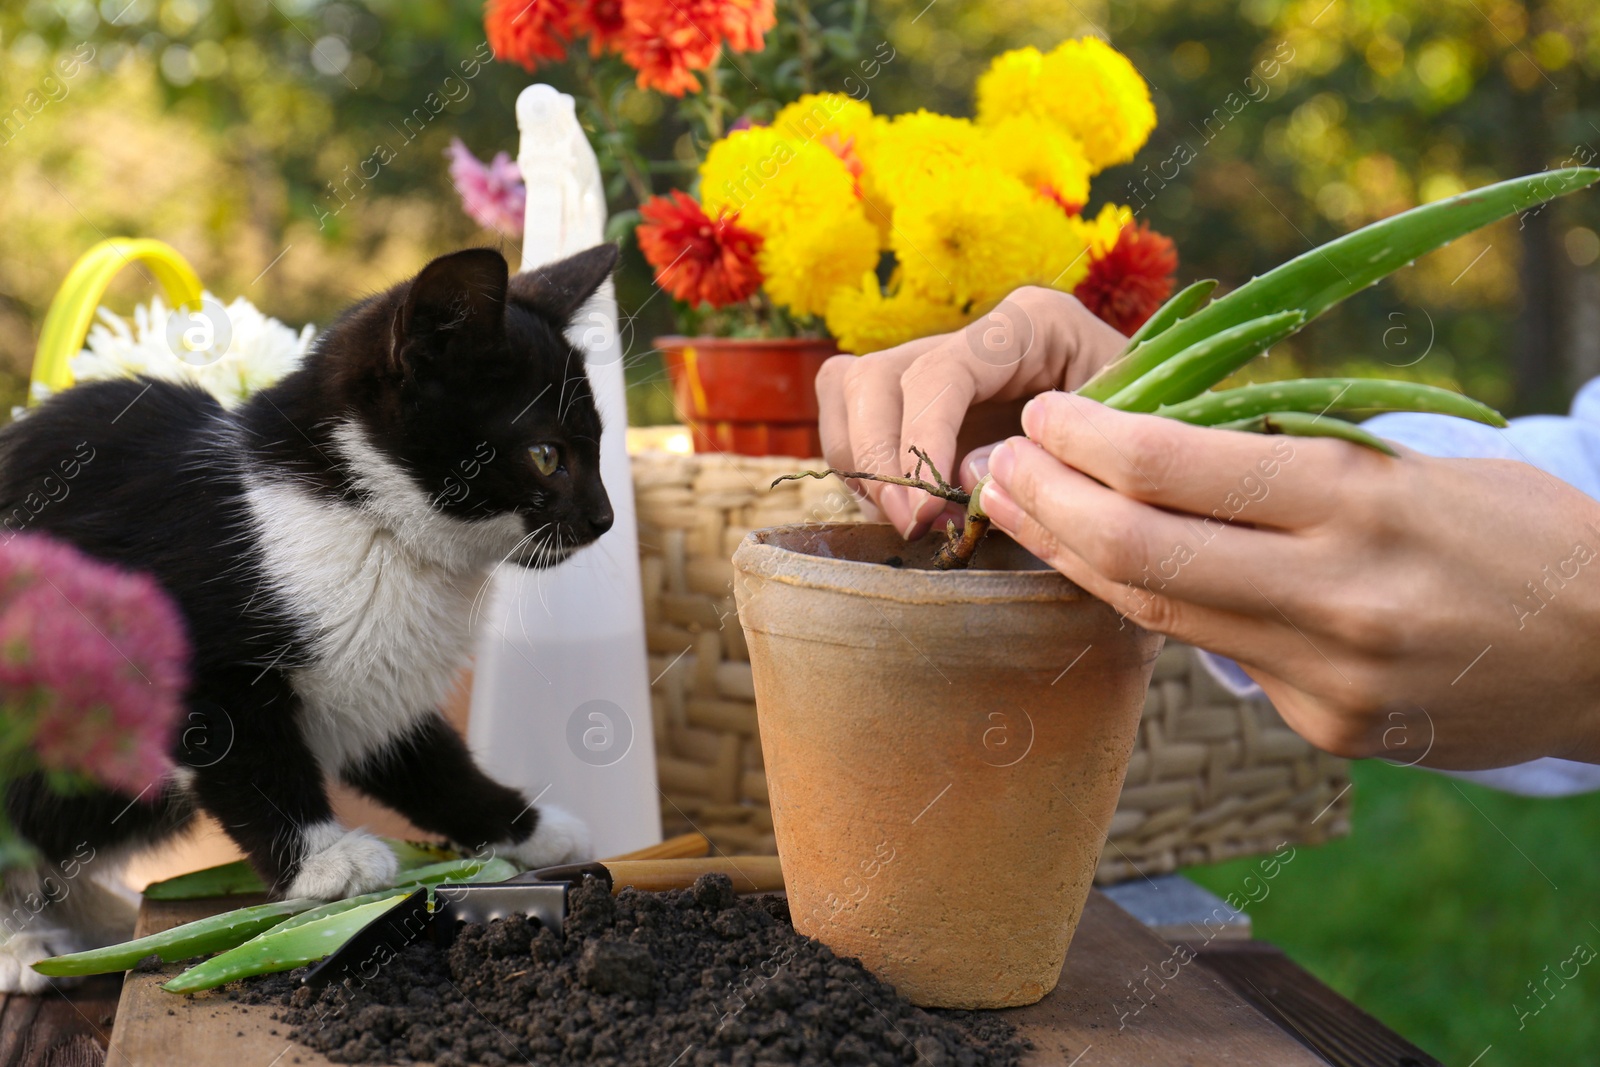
<point>561,693</point>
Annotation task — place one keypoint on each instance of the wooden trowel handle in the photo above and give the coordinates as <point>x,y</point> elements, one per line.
<point>750,874</point>
<point>672,848</point>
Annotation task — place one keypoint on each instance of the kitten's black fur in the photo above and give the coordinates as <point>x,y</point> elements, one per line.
<point>451,377</point>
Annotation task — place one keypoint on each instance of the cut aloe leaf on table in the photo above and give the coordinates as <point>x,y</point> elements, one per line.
<point>1320,278</point>
<point>239,878</point>
<point>282,951</point>
<point>232,929</point>
<point>199,938</point>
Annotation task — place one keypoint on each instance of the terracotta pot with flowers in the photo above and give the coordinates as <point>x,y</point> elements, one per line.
<point>810,225</point>
<point>831,222</point>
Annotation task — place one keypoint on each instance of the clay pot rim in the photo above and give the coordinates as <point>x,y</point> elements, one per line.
<point>757,556</point>
<point>774,343</point>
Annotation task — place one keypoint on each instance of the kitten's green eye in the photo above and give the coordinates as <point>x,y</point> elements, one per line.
<point>546,458</point>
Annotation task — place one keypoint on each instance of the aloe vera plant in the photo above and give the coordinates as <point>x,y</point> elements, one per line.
<point>1186,348</point>
<point>1188,345</point>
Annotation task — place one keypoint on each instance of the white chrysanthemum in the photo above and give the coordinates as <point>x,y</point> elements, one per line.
<point>231,352</point>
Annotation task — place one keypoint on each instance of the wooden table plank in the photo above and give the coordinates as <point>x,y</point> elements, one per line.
<point>67,1027</point>
<point>1135,1000</point>
<point>1320,1018</point>
<point>1193,1018</point>
<point>203,1030</point>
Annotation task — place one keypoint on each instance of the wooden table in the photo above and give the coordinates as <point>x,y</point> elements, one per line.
<point>1125,997</point>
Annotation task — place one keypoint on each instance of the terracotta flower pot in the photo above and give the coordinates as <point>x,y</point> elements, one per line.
<point>944,751</point>
<point>752,396</point>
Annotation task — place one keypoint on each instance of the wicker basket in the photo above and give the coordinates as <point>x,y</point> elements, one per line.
<point>1212,776</point>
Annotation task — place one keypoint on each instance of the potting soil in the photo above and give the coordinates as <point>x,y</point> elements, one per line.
<point>678,979</point>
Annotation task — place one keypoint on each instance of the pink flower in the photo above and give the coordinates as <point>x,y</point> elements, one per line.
<point>492,193</point>
<point>92,659</point>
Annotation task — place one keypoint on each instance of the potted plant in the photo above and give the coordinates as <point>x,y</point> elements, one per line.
<point>806,224</point>
<point>828,225</point>
<point>944,746</point>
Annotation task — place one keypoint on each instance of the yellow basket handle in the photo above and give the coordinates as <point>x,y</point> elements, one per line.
<point>66,325</point>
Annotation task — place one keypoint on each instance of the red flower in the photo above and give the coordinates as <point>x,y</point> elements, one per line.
<point>697,259</point>
<point>1126,285</point>
<point>602,21</point>
<point>527,31</point>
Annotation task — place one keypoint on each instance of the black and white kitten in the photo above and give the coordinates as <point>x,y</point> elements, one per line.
<point>325,542</point>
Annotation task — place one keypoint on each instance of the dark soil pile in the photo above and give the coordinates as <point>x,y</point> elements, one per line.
<point>681,979</point>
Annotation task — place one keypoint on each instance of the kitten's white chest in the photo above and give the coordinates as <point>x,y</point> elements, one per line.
<point>389,608</point>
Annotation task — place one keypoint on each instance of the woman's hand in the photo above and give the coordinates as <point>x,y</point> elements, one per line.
<point>1427,610</point>
<point>948,394</point>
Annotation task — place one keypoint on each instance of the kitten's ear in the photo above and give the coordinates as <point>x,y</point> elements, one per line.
<point>557,290</point>
<point>461,295</point>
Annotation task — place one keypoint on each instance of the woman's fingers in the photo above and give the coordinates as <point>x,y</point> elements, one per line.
<point>1157,553</point>
<point>923,393</point>
<point>1264,480</point>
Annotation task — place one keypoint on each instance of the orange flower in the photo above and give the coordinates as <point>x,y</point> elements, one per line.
<point>667,40</point>
<point>527,31</point>
<point>744,22</point>
<point>697,259</point>
<point>1134,277</point>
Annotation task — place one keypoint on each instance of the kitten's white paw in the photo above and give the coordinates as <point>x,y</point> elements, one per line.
<point>560,837</point>
<point>20,951</point>
<point>341,863</point>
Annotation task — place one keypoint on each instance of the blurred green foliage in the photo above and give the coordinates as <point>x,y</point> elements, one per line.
<point>1445,902</point>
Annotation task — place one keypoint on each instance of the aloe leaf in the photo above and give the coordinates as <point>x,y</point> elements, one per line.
<point>213,934</point>
<point>1320,278</point>
<point>1183,303</point>
<point>1206,363</point>
<point>1301,424</point>
<point>282,951</point>
<point>238,878</point>
<point>223,880</point>
<point>493,869</point>
<point>1327,395</point>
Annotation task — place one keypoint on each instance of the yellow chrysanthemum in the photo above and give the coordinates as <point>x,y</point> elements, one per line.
<point>1085,86</point>
<point>801,198</point>
<point>909,148</point>
<point>1101,232</point>
<point>772,181</point>
<point>1047,158</point>
<point>846,127</point>
<point>1091,89</point>
<point>1010,86</point>
<point>863,320</point>
<point>805,262</point>
<point>821,116</point>
<point>970,237</point>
